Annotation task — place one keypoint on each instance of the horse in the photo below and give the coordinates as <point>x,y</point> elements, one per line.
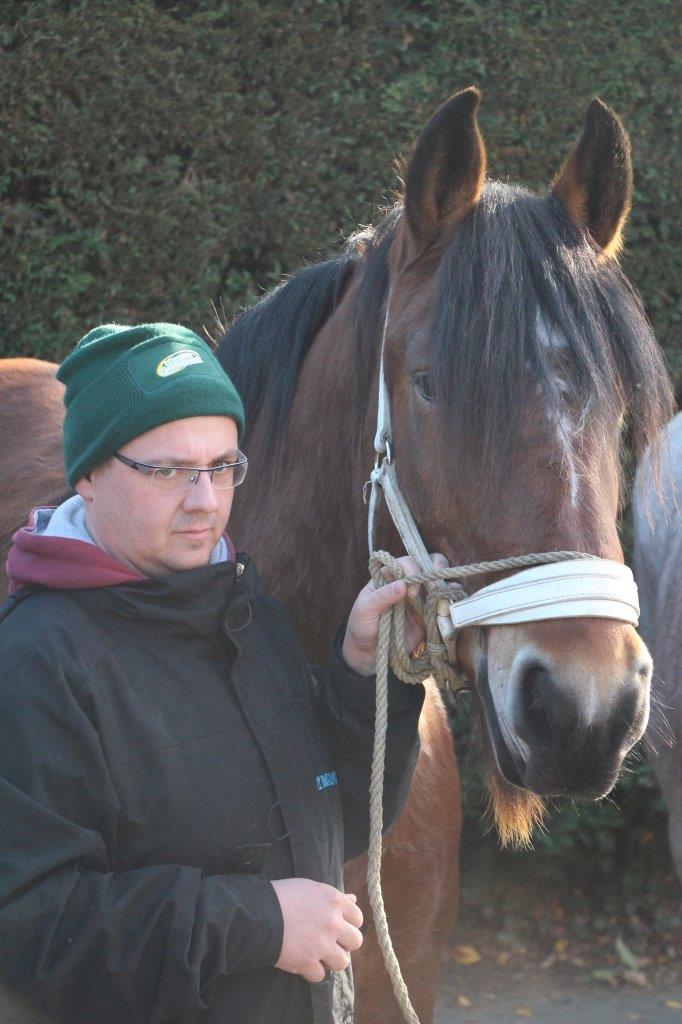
<point>515,351</point>
<point>657,559</point>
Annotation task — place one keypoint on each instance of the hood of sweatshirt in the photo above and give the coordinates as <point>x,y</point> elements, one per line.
<point>55,550</point>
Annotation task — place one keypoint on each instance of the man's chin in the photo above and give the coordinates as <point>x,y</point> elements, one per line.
<point>193,552</point>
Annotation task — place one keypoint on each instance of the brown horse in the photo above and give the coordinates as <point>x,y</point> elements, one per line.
<point>515,350</point>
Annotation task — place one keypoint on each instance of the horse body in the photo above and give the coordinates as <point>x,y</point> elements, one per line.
<point>31,415</point>
<point>658,570</point>
<point>513,346</point>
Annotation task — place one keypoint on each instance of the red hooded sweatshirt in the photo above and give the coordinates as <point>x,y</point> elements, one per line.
<point>64,562</point>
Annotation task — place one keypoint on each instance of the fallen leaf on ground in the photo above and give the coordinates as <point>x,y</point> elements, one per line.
<point>673,1004</point>
<point>607,974</point>
<point>626,955</point>
<point>636,978</point>
<point>465,955</point>
<point>523,1011</point>
<point>463,1000</point>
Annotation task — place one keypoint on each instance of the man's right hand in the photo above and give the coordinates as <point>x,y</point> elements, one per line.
<point>321,927</point>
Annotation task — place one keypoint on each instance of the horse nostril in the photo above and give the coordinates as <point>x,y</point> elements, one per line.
<point>533,725</point>
<point>627,715</point>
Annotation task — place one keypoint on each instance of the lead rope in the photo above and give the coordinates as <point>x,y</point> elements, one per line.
<point>434,662</point>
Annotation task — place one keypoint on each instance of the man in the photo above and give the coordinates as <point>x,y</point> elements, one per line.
<point>178,788</point>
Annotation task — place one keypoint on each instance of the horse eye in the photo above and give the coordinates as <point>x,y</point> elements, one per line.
<point>425,386</point>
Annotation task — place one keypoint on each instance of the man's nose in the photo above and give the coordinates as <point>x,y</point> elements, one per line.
<point>201,496</point>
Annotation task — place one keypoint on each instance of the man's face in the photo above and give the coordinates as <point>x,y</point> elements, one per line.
<point>153,531</point>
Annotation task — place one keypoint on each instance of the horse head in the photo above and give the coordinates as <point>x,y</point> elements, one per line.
<point>516,354</point>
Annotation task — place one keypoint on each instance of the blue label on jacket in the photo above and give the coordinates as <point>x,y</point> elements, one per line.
<point>326,780</point>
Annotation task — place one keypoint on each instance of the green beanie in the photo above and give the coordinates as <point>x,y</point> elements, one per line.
<point>122,381</point>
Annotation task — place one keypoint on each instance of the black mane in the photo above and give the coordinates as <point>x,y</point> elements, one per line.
<point>516,262</point>
<point>264,348</point>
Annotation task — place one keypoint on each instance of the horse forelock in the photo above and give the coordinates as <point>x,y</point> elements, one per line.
<point>516,271</point>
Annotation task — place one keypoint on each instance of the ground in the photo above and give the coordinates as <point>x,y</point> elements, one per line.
<point>564,951</point>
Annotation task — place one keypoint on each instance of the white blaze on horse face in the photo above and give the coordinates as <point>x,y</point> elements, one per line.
<point>553,341</point>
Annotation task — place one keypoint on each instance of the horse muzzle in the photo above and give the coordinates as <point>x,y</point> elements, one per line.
<point>561,725</point>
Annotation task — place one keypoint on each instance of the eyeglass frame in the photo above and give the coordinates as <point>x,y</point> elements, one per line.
<point>146,470</point>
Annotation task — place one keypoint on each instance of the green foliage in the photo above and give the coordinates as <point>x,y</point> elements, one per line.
<point>158,156</point>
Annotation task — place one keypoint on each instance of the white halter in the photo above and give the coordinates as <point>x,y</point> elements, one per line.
<point>588,586</point>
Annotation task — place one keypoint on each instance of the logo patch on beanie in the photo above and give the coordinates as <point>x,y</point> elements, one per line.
<point>177,361</point>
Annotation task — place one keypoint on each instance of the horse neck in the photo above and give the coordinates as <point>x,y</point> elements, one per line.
<point>306,525</point>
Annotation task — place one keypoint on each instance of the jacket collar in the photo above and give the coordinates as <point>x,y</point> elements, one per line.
<point>196,602</point>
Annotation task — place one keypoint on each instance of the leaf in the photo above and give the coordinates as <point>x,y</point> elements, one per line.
<point>626,955</point>
<point>523,1011</point>
<point>673,1004</point>
<point>561,945</point>
<point>636,978</point>
<point>607,974</point>
<point>463,1001</point>
<point>465,955</point>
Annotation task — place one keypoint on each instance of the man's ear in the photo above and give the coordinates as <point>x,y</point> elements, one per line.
<point>85,488</point>
<point>595,184</point>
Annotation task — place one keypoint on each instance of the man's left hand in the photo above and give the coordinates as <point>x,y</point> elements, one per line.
<point>362,633</point>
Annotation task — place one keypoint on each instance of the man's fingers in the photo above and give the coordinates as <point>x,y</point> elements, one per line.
<point>349,937</point>
<point>337,959</point>
<point>377,601</point>
<point>315,972</point>
<point>353,914</point>
<point>383,597</point>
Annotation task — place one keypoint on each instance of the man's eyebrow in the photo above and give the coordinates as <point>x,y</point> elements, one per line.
<point>180,461</point>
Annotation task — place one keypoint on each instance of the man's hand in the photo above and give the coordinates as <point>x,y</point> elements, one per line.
<point>362,633</point>
<point>321,927</point>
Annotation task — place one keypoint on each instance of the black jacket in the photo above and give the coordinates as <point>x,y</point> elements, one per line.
<point>165,750</point>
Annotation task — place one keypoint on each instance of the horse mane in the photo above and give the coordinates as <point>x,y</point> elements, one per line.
<point>264,347</point>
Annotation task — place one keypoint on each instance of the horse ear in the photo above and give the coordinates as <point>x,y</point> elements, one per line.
<point>595,183</point>
<point>446,170</point>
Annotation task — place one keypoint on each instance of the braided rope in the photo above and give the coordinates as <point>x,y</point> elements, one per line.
<point>434,662</point>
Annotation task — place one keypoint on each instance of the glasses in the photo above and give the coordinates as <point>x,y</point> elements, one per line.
<point>172,478</point>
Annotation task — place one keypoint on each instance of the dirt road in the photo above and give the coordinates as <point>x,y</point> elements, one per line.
<point>572,952</point>
<point>544,998</point>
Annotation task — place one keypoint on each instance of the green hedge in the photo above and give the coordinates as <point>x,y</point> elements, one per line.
<point>160,156</point>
